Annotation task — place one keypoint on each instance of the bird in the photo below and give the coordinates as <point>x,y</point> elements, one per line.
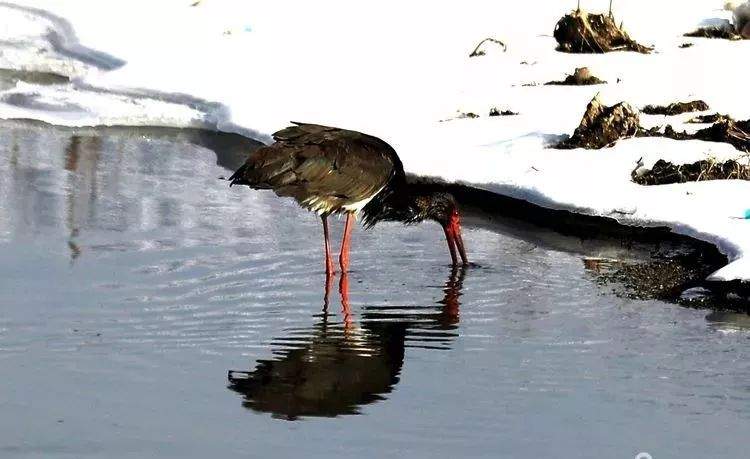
<point>330,170</point>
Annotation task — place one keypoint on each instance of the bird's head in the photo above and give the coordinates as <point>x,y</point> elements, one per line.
<point>443,208</point>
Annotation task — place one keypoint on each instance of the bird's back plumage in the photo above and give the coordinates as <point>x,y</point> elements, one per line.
<point>325,169</point>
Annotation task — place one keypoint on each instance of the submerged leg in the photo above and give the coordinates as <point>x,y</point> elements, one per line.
<point>327,292</point>
<point>451,245</point>
<point>346,242</point>
<point>329,260</point>
<point>344,291</point>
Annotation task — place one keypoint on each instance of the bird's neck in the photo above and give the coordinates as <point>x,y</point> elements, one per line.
<point>408,204</point>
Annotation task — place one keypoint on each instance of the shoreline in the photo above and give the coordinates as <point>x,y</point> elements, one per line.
<point>592,237</point>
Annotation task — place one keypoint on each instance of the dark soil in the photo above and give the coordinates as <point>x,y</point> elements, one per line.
<point>581,32</point>
<point>686,45</point>
<point>707,119</point>
<point>725,130</point>
<point>602,126</point>
<point>724,33</point>
<point>581,77</point>
<point>496,112</point>
<point>676,108</point>
<point>665,172</point>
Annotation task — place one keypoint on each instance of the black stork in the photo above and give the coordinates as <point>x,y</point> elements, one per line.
<point>330,170</point>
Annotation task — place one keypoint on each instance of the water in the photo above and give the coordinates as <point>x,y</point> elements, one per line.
<point>132,280</point>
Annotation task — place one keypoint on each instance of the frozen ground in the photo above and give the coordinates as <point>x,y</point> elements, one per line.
<point>396,70</point>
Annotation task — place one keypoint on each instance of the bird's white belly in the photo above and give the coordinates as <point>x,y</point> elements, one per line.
<point>321,205</point>
<point>356,207</point>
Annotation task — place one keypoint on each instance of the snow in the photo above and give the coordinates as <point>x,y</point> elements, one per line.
<point>395,70</point>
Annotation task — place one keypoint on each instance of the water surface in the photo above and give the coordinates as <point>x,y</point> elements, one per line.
<point>132,280</point>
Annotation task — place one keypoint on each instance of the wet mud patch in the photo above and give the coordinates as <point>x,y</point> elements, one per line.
<point>581,77</point>
<point>676,108</point>
<point>677,279</point>
<point>663,278</point>
<point>582,32</point>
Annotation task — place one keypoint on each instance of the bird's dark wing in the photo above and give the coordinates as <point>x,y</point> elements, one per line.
<point>324,168</point>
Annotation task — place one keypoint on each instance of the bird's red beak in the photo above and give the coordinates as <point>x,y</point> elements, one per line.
<point>455,241</point>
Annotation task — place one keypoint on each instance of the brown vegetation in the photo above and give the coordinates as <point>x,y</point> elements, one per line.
<point>496,112</point>
<point>581,32</point>
<point>723,33</point>
<point>725,130</point>
<point>602,126</point>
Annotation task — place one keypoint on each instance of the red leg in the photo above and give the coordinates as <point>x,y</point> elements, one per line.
<point>451,238</point>
<point>344,291</point>
<point>329,260</point>
<point>346,242</point>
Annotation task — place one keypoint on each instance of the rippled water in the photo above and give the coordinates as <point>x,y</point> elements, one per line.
<point>132,280</point>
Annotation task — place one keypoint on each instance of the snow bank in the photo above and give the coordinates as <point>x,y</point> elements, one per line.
<point>395,69</point>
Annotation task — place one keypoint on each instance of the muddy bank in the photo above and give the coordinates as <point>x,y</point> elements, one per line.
<point>646,263</point>
<point>664,278</point>
<point>582,32</point>
<point>667,263</point>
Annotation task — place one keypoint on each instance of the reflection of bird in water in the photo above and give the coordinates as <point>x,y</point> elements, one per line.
<point>82,157</point>
<point>331,171</point>
<point>337,368</point>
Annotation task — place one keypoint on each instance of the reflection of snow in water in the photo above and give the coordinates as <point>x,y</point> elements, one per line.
<point>89,184</point>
